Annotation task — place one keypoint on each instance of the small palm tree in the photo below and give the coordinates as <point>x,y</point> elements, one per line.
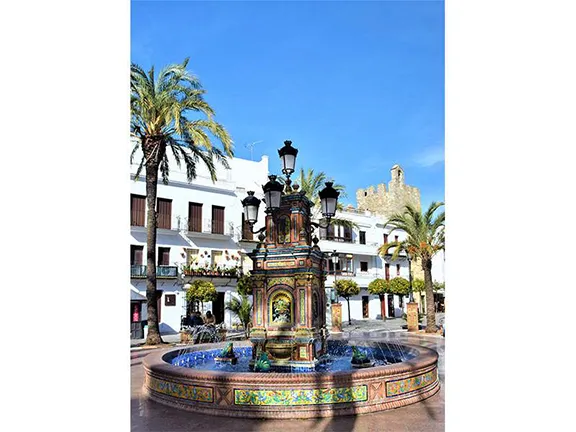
<point>159,107</point>
<point>242,308</point>
<point>424,238</point>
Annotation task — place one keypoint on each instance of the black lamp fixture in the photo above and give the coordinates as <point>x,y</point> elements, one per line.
<point>288,156</point>
<point>251,205</point>
<point>272,193</point>
<point>328,200</point>
<point>335,258</point>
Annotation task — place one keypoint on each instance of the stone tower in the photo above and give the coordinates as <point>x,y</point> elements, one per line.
<point>385,202</point>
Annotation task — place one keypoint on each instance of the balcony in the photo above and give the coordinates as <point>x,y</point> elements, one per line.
<point>162,272</point>
<point>206,228</point>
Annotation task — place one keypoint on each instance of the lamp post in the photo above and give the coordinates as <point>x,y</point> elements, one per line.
<point>411,297</point>
<point>273,191</point>
<point>411,307</point>
<point>335,259</point>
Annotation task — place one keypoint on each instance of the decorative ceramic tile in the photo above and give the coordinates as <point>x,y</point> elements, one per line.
<point>301,397</point>
<point>281,281</point>
<point>407,385</point>
<point>302,306</point>
<point>279,264</point>
<point>259,307</point>
<point>189,392</point>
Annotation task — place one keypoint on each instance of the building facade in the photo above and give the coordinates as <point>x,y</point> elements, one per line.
<point>200,226</point>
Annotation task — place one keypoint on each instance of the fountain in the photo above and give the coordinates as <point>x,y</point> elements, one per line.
<point>289,368</point>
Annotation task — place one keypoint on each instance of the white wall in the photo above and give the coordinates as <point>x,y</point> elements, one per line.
<point>228,191</point>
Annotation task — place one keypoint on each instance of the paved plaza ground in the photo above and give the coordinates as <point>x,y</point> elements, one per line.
<point>428,415</point>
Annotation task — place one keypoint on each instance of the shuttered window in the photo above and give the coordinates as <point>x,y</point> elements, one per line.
<point>385,238</point>
<point>387,271</point>
<point>137,210</point>
<point>194,217</point>
<point>164,208</point>
<point>136,254</point>
<point>163,256</point>
<point>347,233</point>
<point>217,220</point>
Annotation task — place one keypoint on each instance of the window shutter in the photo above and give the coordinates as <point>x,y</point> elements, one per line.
<point>137,255</point>
<point>137,210</point>
<point>217,220</point>
<point>164,207</point>
<point>194,217</point>
<point>163,256</point>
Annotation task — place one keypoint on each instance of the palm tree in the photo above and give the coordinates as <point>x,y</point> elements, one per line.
<point>159,107</point>
<point>242,308</point>
<point>424,238</point>
<point>312,183</point>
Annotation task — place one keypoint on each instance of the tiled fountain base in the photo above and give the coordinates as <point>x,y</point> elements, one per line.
<point>282,395</point>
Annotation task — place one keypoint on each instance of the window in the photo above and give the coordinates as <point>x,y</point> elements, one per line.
<point>397,269</point>
<point>163,256</point>
<point>385,238</point>
<point>194,217</point>
<point>217,220</point>
<point>164,207</point>
<point>387,271</point>
<point>170,300</point>
<point>191,256</point>
<point>363,266</point>
<point>137,210</point>
<point>363,237</point>
<point>136,254</point>
<point>246,230</point>
<point>217,258</point>
<point>395,238</point>
<point>337,233</point>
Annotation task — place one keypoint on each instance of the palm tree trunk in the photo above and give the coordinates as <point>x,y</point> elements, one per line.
<point>430,312</point>
<point>349,319</point>
<point>152,162</point>
<point>382,307</point>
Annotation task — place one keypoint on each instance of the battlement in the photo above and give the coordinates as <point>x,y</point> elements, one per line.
<point>385,201</point>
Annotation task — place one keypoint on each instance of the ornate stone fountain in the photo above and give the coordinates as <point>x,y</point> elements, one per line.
<point>289,312</point>
<point>289,335</point>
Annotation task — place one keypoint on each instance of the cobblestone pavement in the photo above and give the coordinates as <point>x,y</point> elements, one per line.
<point>428,415</point>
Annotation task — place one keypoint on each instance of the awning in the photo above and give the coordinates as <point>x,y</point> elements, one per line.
<point>135,295</point>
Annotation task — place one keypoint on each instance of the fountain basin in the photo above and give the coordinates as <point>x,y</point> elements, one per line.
<point>290,395</point>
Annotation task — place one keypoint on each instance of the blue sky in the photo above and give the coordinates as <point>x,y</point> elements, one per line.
<point>357,86</point>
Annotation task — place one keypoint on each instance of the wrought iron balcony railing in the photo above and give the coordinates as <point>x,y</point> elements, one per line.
<point>166,272</point>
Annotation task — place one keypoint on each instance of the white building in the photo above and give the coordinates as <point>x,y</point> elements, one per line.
<point>199,224</point>
<point>357,248</point>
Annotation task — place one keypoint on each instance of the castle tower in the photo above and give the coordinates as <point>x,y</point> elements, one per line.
<point>388,201</point>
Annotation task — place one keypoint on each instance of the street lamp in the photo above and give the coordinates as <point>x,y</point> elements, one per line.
<point>328,201</point>
<point>272,193</point>
<point>251,205</point>
<point>411,298</point>
<point>288,157</point>
<point>334,257</point>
